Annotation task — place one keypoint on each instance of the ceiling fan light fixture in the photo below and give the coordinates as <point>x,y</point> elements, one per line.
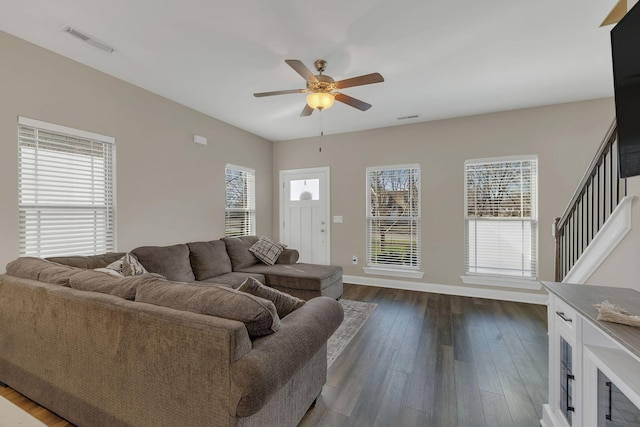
<point>320,100</point>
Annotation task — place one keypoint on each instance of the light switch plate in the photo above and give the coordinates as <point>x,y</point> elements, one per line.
<point>337,219</point>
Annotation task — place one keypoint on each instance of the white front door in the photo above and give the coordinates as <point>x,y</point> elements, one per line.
<point>304,213</point>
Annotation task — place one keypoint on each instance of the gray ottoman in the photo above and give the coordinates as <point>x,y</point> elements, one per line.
<point>302,280</point>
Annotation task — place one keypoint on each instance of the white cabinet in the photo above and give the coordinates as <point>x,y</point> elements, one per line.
<point>564,366</point>
<point>594,367</point>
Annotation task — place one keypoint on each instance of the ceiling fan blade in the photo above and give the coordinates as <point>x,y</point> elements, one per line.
<point>616,14</point>
<point>306,111</point>
<point>355,103</point>
<point>301,69</point>
<point>279,92</point>
<point>367,79</point>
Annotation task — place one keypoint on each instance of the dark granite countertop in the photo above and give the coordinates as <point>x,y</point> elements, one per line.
<point>582,298</point>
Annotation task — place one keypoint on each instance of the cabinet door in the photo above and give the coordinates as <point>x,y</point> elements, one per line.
<point>566,383</point>
<point>564,365</point>
<point>614,407</point>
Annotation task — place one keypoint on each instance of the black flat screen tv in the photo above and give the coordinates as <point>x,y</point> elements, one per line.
<point>625,49</point>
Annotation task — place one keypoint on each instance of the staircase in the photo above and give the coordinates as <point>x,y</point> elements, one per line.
<point>597,218</point>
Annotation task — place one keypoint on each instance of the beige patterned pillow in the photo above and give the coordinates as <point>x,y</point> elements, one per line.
<point>116,268</point>
<point>267,250</point>
<point>132,267</point>
<point>128,265</point>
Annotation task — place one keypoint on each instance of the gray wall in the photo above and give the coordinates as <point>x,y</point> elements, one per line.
<point>169,189</point>
<point>565,138</point>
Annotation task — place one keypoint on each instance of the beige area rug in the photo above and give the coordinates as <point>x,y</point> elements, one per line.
<point>355,314</point>
<point>12,416</point>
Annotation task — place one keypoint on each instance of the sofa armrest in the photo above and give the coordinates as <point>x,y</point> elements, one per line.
<point>274,359</point>
<point>288,256</point>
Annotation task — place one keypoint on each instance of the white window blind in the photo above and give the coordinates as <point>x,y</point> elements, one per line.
<point>501,217</point>
<point>240,207</point>
<point>393,217</point>
<point>65,189</point>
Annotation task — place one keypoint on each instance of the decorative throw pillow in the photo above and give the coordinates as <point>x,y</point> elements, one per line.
<point>128,265</point>
<point>284,303</point>
<point>131,266</point>
<point>116,268</point>
<point>267,250</point>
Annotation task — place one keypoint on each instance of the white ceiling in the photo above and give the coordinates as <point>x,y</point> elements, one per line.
<point>439,58</point>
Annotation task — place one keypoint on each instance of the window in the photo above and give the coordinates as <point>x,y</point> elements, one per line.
<point>501,212</point>
<point>240,210</point>
<point>304,189</point>
<point>393,217</point>
<point>65,190</point>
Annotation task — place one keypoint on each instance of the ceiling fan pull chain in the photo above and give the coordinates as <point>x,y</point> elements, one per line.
<point>321,132</point>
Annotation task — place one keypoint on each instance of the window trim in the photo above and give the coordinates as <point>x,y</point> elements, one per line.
<point>52,127</point>
<point>495,279</point>
<point>390,269</point>
<point>250,197</point>
<point>111,232</point>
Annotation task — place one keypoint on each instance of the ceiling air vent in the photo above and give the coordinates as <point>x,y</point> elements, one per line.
<point>89,40</point>
<point>415,116</point>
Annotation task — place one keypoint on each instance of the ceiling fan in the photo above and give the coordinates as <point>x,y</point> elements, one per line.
<point>321,89</point>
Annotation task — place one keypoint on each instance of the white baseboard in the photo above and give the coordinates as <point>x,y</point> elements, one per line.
<point>605,241</point>
<point>465,291</point>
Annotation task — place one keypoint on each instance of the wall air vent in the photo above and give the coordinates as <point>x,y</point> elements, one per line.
<point>415,116</point>
<point>89,40</point>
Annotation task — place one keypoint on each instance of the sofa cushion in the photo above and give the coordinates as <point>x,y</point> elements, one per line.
<point>128,265</point>
<point>238,250</point>
<point>267,250</point>
<point>284,303</point>
<point>209,259</point>
<point>43,270</point>
<point>105,283</point>
<point>171,262</point>
<point>298,276</point>
<point>58,275</point>
<point>258,315</point>
<point>233,279</point>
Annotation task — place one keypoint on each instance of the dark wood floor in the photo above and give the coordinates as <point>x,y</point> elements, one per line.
<point>427,360</point>
<point>438,360</point>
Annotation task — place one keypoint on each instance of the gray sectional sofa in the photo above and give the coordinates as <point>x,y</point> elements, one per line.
<point>227,261</point>
<point>145,350</point>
